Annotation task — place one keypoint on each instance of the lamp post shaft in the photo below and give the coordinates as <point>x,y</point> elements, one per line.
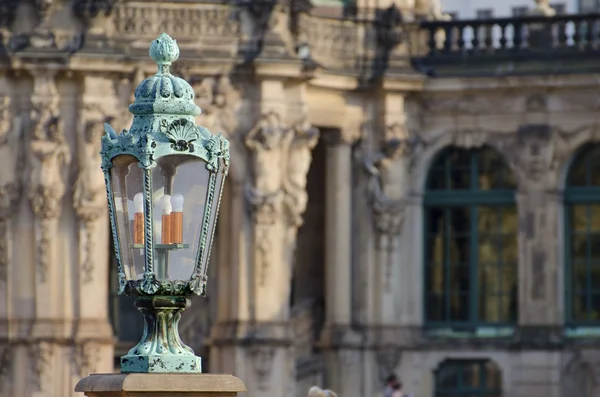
<point>160,348</point>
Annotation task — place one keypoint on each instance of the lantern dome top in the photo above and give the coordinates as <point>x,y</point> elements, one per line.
<point>164,93</point>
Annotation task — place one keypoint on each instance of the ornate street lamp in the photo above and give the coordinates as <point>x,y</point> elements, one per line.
<point>163,180</point>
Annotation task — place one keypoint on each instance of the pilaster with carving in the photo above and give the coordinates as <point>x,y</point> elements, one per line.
<point>269,142</point>
<point>50,157</point>
<point>7,354</point>
<point>219,101</point>
<point>535,153</point>
<point>11,152</point>
<point>88,196</point>
<point>94,15</point>
<point>42,356</point>
<point>388,192</point>
<point>263,360</point>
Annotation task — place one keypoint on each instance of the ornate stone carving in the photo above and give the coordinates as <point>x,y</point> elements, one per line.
<point>263,357</point>
<point>269,142</point>
<point>579,377</point>
<point>533,154</point>
<point>469,104</point>
<point>6,368</point>
<point>87,10</point>
<point>41,357</point>
<point>388,186</point>
<point>332,42</point>
<point>50,153</point>
<point>85,357</point>
<point>543,8</point>
<point>298,163</point>
<point>145,19</point>
<point>11,133</point>
<point>8,11</point>
<point>387,358</point>
<point>218,100</point>
<point>431,10</point>
<point>64,41</point>
<point>256,19</point>
<point>43,7</point>
<point>89,197</point>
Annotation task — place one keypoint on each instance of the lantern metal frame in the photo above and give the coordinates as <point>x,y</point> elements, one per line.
<point>164,126</point>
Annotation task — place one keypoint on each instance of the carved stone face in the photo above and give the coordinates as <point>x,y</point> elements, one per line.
<point>539,150</point>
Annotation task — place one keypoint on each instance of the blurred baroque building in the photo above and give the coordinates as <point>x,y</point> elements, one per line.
<point>408,193</point>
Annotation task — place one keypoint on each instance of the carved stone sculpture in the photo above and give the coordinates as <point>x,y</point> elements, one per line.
<point>10,186</point>
<point>89,198</point>
<point>85,357</point>
<point>41,357</point>
<point>263,357</point>
<point>316,391</point>
<point>388,184</point>
<point>388,188</point>
<point>298,163</point>
<point>533,153</point>
<point>543,8</point>
<point>269,142</point>
<point>431,10</point>
<point>88,10</point>
<point>218,101</point>
<point>50,153</point>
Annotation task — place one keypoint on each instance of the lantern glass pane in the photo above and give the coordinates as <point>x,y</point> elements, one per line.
<point>127,182</point>
<point>180,188</point>
<point>220,178</point>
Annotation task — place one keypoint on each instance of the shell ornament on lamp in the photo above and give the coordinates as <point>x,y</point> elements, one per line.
<point>164,178</point>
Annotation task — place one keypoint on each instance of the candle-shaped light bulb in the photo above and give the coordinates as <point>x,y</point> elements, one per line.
<point>177,219</point>
<point>138,219</point>
<point>166,219</point>
<point>130,210</point>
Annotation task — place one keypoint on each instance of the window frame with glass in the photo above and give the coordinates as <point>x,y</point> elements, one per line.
<point>454,275</point>
<point>582,193</point>
<point>486,382</point>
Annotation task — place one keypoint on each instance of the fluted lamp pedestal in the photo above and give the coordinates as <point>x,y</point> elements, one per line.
<point>160,385</point>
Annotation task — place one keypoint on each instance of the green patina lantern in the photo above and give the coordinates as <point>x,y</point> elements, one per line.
<point>163,180</point>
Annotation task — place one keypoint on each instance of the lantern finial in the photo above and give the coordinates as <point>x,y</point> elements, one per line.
<point>164,51</point>
<point>163,97</point>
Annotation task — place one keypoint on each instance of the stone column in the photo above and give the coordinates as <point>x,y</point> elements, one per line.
<point>50,158</point>
<point>535,155</point>
<point>338,224</point>
<point>341,345</point>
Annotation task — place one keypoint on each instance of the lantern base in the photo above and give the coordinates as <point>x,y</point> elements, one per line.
<point>161,364</point>
<point>161,350</point>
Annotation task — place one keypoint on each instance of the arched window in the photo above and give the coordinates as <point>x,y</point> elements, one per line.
<point>582,232</point>
<point>470,242</point>
<point>468,378</point>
